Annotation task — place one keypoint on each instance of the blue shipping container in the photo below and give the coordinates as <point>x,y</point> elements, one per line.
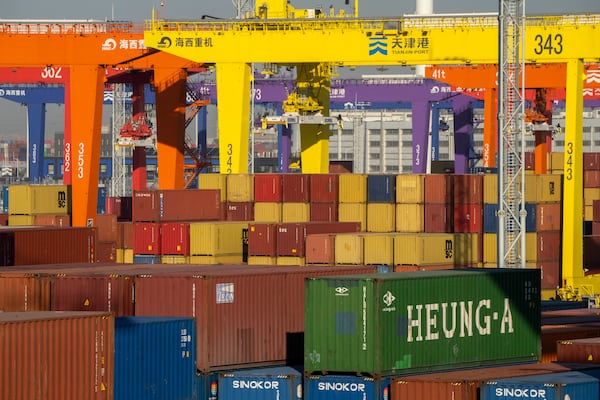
<point>346,387</point>
<point>270,383</point>
<point>490,220</point>
<point>5,199</point>
<point>155,358</point>
<point>146,259</point>
<point>206,386</point>
<point>561,386</point>
<point>381,188</point>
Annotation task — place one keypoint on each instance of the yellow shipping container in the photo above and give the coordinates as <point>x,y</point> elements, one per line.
<point>174,259</point>
<point>588,213</point>
<point>467,249</point>
<point>589,195</point>
<point>424,249</point>
<point>21,220</point>
<point>39,199</point>
<point>223,238</point>
<point>556,161</point>
<point>349,249</point>
<point>291,260</point>
<point>352,188</point>
<point>378,249</point>
<point>490,248</point>
<point>381,217</point>
<point>410,217</point>
<point>490,188</point>
<point>531,189</point>
<point>353,212</point>
<point>410,188</point>
<point>267,212</point>
<point>212,260</point>
<point>240,188</point>
<point>125,256</point>
<point>214,181</point>
<point>549,188</point>
<point>262,260</point>
<point>295,212</point>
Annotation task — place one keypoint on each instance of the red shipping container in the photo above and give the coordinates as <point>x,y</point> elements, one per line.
<point>578,350</point>
<point>591,161</point>
<point>591,179</point>
<point>268,188</point>
<point>106,252</point>
<point>438,188</point>
<point>3,219</point>
<point>468,218</point>
<point>291,236</point>
<point>147,238</point>
<point>438,218</point>
<point>468,189</point>
<point>240,211</point>
<point>175,238</point>
<point>24,291</point>
<point>551,334</point>
<point>125,238</point>
<point>109,291</point>
<point>324,212</point>
<point>548,245</point>
<point>52,220</point>
<point>548,217</point>
<point>529,161</point>
<point>57,356</point>
<point>324,188</point>
<point>106,228</point>
<point>120,206</point>
<point>296,188</point>
<point>245,315</point>
<point>53,245</point>
<point>262,239</point>
<point>320,249</point>
<point>596,228</point>
<point>551,274</point>
<point>177,205</point>
<point>596,210</point>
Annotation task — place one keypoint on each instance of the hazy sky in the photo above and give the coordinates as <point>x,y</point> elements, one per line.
<point>13,116</point>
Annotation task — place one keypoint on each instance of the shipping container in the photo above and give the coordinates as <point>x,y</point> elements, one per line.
<point>7,249</point>
<point>549,245</point>
<point>223,238</point>
<point>468,218</point>
<point>206,386</point>
<point>381,188</point>
<point>214,181</point>
<point>52,220</point>
<point>591,161</point>
<point>320,248</point>
<point>147,238</point>
<point>246,316</point>
<point>490,188</point>
<point>490,218</point>
<point>291,237</point>
<point>385,324</point>
<point>125,238</point>
<point>268,188</point>
<point>324,188</point>
<point>324,212</point>
<point>106,252</point>
<point>353,212</point>
<point>262,239</point>
<point>23,291</point>
<point>591,179</point>
<point>410,188</point>
<point>564,385</point>
<point>548,188</point>
<point>439,218</point>
<point>177,205</point>
<point>353,188</point>
<point>243,211</point>
<point>579,350</point>
<point>240,188</point>
<point>155,358</point>
<point>39,199</point>
<point>268,212</point>
<point>468,189</point>
<point>349,249</point>
<point>106,228</point>
<point>424,248</point>
<point>346,387</point>
<point>378,249</point>
<point>551,334</point>
<point>57,355</point>
<point>439,189</point>
<point>296,188</point>
<point>295,212</point>
<point>381,217</point>
<point>120,206</point>
<point>410,217</point>
<point>268,383</point>
<point>175,238</point>
<point>465,384</point>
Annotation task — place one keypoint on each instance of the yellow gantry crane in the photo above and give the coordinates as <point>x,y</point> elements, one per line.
<point>315,41</point>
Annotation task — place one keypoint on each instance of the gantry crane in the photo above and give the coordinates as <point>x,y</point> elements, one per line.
<point>317,41</point>
<point>86,48</point>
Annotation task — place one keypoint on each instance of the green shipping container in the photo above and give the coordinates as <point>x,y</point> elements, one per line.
<point>397,323</point>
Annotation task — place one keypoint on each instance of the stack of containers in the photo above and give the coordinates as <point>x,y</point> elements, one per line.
<point>107,235</point>
<point>324,194</point>
<point>410,203</point>
<point>50,204</point>
<point>125,242</point>
<point>216,242</point>
<point>154,210</point>
<point>468,209</point>
<point>240,197</point>
<point>438,203</point>
<point>268,197</point>
<point>262,243</point>
<point>295,197</point>
<point>591,184</point>
<point>381,203</point>
<point>352,199</point>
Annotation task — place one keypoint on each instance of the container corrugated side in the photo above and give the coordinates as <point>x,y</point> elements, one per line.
<point>578,350</point>
<point>349,249</point>
<point>216,238</point>
<point>268,188</point>
<point>353,212</point>
<point>381,217</point>
<point>268,212</point>
<point>262,239</point>
<point>39,199</point>
<point>57,355</point>
<point>214,181</point>
<point>378,249</point>
<point>147,238</point>
<point>177,205</point>
<point>296,188</point>
<point>424,248</point>
<point>548,188</point>
<point>52,245</point>
<point>410,217</point>
<point>384,324</point>
<point>295,212</point>
<point>324,188</point>
<point>410,188</point>
<point>175,238</point>
<point>564,385</point>
<point>352,188</point>
<point>346,387</point>
<point>381,188</point>
<point>240,188</point>
<point>468,188</point>
<point>269,383</point>
<point>155,358</point>
<point>24,291</point>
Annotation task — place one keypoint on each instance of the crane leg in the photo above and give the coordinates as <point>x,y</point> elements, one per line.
<point>86,126</point>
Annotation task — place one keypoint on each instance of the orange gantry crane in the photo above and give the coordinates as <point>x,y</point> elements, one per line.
<point>547,81</point>
<point>87,48</point>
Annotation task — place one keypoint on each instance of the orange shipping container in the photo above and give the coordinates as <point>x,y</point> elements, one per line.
<point>52,220</point>
<point>70,357</point>
<point>320,249</point>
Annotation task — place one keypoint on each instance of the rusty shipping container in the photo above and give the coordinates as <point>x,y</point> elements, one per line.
<point>57,355</point>
<point>106,227</point>
<point>579,351</point>
<point>438,188</point>
<point>268,188</point>
<point>177,205</point>
<point>245,315</point>
<point>262,239</point>
<point>52,245</point>
<point>125,236</point>
<point>468,188</point>
<point>296,188</point>
<point>23,291</point>
<point>324,188</point>
<point>291,237</point>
